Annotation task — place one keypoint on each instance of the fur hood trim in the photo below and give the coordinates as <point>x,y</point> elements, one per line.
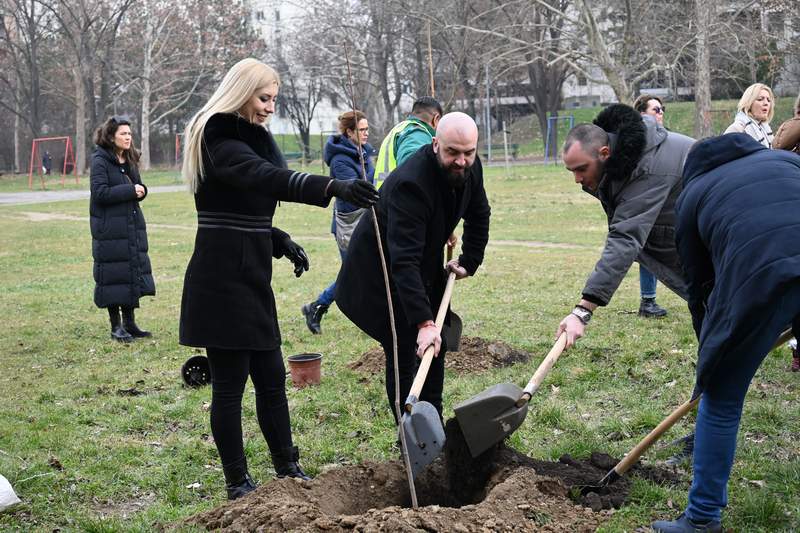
<point>629,139</point>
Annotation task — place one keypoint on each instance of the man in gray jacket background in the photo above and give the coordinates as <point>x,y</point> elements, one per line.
<point>633,166</point>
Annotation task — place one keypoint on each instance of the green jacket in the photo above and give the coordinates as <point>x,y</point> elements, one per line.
<point>402,141</point>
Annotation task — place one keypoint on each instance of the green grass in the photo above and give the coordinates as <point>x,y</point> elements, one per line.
<point>86,457</point>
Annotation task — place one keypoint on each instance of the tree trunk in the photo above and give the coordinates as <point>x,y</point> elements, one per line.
<point>17,165</point>
<point>703,126</point>
<point>612,70</point>
<point>80,121</point>
<point>147,71</point>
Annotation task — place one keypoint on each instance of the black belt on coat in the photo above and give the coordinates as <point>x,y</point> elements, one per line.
<point>234,221</point>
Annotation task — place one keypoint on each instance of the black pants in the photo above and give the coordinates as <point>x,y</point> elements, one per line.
<point>229,372</point>
<point>408,362</point>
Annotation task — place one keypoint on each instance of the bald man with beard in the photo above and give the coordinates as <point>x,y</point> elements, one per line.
<point>422,202</point>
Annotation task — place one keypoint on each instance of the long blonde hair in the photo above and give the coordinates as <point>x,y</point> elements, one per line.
<point>237,87</point>
<point>750,95</point>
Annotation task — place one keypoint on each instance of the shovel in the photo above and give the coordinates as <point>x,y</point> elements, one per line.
<point>633,456</point>
<point>451,334</point>
<point>497,412</point>
<point>421,424</point>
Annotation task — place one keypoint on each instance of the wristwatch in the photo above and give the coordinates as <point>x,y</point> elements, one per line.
<point>583,314</point>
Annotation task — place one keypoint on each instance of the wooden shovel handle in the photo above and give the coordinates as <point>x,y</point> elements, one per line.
<point>544,369</point>
<point>634,455</point>
<point>427,357</point>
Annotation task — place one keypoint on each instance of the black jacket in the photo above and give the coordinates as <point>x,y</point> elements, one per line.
<point>738,220</point>
<point>417,212</point>
<point>638,192</point>
<point>227,298</point>
<point>122,271</point>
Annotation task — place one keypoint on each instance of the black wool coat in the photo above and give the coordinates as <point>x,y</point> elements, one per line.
<point>227,298</point>
<point>738,220</point>
<point>122,271</point>
<point>417,212</point>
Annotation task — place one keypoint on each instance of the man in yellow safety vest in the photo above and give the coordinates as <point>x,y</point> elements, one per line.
<point>405,138</point>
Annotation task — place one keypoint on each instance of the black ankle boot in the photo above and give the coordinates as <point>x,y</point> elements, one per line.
<point>648,308</point>
<point>286,465</point>
<point>129,322</point>
<point>237,480</point>
<point>313,313</point>
<point>118,333</point>
<point>243,487</point>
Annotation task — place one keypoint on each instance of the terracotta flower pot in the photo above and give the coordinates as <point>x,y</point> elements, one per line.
<point>305,368</point>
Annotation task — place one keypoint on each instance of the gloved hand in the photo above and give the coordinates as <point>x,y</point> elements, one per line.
<point>295,253</point>
<point>357,192</point>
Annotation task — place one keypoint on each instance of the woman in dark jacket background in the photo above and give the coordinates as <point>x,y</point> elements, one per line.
<point>122,271</point>
<point>238,175</point>
<point>341,155</point>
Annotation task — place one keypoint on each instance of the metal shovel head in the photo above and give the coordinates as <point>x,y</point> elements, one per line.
<point>424,435</point>
<point>452,333</point>
<point>489,417</point>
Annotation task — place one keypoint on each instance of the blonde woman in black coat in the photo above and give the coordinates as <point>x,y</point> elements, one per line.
<point>238,175</point>
<point>122,271</point>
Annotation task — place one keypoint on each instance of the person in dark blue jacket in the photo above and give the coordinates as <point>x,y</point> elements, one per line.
<point>341,155</point>
<point>737,239</point>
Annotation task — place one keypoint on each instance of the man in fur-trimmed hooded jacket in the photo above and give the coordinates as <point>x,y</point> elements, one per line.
<point>633,166</point>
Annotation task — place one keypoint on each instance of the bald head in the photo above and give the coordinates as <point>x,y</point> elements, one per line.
<point>457,127</point>
<point>455,145</point>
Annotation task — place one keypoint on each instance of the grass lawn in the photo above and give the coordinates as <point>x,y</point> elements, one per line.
<point>98,436</point>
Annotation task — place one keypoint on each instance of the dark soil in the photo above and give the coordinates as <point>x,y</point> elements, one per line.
<point>501,490</point>
<point>475,355</point>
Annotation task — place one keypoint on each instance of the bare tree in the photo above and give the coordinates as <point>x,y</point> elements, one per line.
<point>704,15</point>
<point>87,26</point>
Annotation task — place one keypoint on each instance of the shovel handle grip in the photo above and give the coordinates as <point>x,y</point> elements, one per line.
<point>644,445</point>
<point>544,369</point>
<point>427,357</point>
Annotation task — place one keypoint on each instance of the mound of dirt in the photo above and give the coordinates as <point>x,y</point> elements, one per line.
<point>502,490</point>
<point>476,355</point>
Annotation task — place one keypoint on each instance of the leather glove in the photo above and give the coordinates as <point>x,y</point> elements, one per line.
<point>295,253</point>
<point>357,192</point>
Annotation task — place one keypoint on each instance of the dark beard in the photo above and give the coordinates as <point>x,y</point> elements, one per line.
<point>456,180</point>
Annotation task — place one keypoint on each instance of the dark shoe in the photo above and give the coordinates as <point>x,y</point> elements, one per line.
<point>682,524</point>
<point>286,465</point>
<point>129,322</point>
<point>119,334</point>
<point>795,360</point>
<point>237,490</point>
<point>313,313</point>
<point>650,309</point>
<point>686,453</point>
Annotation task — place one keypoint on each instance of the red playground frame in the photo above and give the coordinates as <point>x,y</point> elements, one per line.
<point>69,158</point>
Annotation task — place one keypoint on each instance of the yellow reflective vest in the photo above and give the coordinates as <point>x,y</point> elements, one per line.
<point>387,154</point>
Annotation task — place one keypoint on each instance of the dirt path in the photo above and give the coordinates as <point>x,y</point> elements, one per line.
<point>42,197</point>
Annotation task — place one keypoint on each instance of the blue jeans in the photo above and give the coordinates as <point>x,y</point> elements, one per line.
<point>721,410</point>
<point>647,283</point>
<point>326,296</point>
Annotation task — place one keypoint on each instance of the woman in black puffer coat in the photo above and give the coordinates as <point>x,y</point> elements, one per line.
<point>122,271</point>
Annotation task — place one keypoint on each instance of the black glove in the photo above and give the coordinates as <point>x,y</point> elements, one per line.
<point>360,193</point>
<point>295,253</point>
